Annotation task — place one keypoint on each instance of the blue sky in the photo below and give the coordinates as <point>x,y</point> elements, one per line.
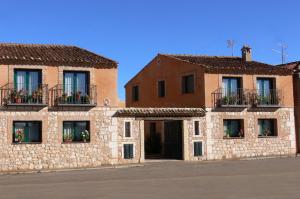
<point>132,32</point>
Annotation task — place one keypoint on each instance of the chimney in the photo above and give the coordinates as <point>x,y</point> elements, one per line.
<point>246,53</point>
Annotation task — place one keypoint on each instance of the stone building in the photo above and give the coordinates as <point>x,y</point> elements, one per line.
<point>56,107</point>
<point>60,109</point>
<point>249,105</point>
<point>295,67</point>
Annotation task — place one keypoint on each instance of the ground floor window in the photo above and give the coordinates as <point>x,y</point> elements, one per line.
<point>76,131</point>
<point>267,127</point>
<point>128,151</point>
<point>198,149</point>
<point>196,128</point>
<point>233,128</point>
<point>27,131</point>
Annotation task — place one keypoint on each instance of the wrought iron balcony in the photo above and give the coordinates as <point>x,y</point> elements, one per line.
<point>84,95</point>
<point>24,94</point>
<point>225,98</point>
<point>267,98</point>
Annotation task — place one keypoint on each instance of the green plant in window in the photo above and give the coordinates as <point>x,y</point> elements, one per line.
<point>68,136</point>
<point>228,133</point>
<point>266,132</point>
<point>19,135</point>
<point>85,135</point>
<point>86,99</point>
<point>225,100</point>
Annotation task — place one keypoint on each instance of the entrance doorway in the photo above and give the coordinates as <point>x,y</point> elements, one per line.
<point>163,139</point>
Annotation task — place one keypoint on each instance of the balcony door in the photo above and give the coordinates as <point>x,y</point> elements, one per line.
<point>265,86</point>
<point>76,83</point>
<point>230,85</point>
<point>27,80</point>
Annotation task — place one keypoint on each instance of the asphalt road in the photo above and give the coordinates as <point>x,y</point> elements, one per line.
<point>271,178</point>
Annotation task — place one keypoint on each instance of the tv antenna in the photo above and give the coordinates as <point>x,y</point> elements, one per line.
<point>230,44</point>
<point>282,51</point>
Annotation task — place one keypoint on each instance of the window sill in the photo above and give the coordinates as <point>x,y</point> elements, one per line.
<point>271,136</point>
<point>233,138</point>
<point>17,143</point>
<point>76,142</point>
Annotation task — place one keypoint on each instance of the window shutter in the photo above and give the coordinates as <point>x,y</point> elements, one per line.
<point>197,148</point>
<point>128,151</point>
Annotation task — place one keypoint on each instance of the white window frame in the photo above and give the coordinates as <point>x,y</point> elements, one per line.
<point>134,155</point>
<point>203,152</point>
<point>124,129</point>
<point>194,128</point>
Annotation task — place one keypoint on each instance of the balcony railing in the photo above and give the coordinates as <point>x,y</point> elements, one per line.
<point>84,96</point>
<point>268,98</point>
<point>225,98</point>
<point>23,94</point>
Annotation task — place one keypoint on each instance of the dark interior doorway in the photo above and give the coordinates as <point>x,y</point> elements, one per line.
<point>163,139</point>
<point>173,140</point>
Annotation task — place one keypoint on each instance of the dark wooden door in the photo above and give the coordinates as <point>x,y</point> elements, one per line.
<point>173,140</point>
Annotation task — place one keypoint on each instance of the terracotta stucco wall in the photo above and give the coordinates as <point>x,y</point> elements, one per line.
<point>283,83</point>
<point>171,70</point>
<point>104,79</point>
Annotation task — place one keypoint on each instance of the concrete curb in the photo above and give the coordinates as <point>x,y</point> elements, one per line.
<point>71,169</point>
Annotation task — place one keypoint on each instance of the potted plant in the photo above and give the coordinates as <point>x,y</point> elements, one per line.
<point>64,97</point>
<point>86,99</point>
<point>228,133</point>
<point>225,100</point>
<point>78,96</point>
<point>241,133</point>
<point>266,132</point>
<point>68,136</point>
<point>85,135</point>
<point>19,136</point>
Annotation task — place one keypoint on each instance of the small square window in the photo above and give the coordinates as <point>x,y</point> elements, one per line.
<point>196,128</point>
<point>233,128</point>
<point>267,127</point>
<point>135,93</point>
<point>128,151</point>
<point>187,84</point>
<point>76,131</point>
<point>127,129</point>
<point>27,131</point>
<point>198,149</point>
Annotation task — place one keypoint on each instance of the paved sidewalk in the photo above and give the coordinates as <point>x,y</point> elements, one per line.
<point>259,179</point>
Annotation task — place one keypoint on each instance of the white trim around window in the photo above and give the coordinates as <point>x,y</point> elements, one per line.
<point>203,148</point>
<point>124,129</point>
<point>194,128</point>
<point>134,153</point>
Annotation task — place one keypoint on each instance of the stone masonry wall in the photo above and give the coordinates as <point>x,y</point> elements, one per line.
<point>52,153</point>
<point>251,145</point>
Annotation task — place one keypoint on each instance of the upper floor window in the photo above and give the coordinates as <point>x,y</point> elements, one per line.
<point>135,93</point>
<point>27,87</point>
<point>265,85</point>
<point>267,127</point>
<point>27,131</point>
<point>161,88</point>
<point>266,91</point>
<point>188,84</point>
<point>233,128</point>
<point>231,85</point>
<point>76,86</point>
